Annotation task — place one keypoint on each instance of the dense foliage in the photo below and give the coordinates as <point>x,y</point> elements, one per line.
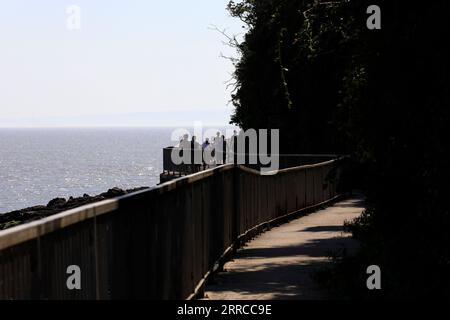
<point>315,71</point>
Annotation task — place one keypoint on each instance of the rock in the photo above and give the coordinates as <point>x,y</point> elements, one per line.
<point>36,208</point>
<point>115,192</point>
<point>57,202</point>
<point>57,205</point>
<point>137,189</point>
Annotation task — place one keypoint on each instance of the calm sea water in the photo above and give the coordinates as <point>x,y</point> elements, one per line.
<point>37,165</point>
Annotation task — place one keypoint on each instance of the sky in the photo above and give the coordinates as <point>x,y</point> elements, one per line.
<point>128,57</point>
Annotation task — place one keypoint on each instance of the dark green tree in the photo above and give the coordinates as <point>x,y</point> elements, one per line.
<point>314,70</point>
<point>290,74</point>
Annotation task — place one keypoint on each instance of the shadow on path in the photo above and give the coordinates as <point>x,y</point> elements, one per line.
<point>279,263</point>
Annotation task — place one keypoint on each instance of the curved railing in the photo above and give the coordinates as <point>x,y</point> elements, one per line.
<point>159,243</point>
<point>285,161</point>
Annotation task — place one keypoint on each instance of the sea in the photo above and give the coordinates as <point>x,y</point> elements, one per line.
<point>37,165</point>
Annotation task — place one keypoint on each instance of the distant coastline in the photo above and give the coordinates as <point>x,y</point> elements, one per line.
<point>158,119</point>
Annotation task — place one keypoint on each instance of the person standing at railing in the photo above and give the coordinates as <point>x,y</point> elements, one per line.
<point>205,148</point>
<point>205,144</point>
<point>184,145</point>
<point>195,155</point>
<point>224,149</point>
<point>232,147</point>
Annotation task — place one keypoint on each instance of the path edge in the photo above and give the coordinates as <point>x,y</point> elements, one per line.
<point>228,254</point>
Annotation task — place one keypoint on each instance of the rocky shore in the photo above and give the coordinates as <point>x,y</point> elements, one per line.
<point>57,205</point>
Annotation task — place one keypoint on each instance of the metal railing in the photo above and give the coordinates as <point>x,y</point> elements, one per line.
<point>157,243</point>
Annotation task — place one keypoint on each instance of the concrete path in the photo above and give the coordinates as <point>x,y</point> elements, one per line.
<point>278,263</point>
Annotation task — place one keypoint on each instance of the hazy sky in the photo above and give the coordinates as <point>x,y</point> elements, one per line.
<point>130,56</point>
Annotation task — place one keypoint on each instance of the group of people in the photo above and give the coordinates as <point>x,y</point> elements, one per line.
<point>218,149</point>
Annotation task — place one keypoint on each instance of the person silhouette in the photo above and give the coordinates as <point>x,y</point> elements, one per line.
<point>232,149</point>
<point>205,148</point>
<point>205,144</point>
<point>195,155</point>
<point>224,149</point>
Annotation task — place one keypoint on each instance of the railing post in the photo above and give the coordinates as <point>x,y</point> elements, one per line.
<point>236,202</point>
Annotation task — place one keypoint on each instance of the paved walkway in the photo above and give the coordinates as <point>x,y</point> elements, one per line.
<point>278,263</point>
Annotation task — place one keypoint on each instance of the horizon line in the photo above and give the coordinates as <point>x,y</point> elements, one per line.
<point>113,126</point>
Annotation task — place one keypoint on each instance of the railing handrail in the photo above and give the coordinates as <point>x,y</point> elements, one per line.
<point>297,168</point>
<point>163,242</point>
<point>28,231</point>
